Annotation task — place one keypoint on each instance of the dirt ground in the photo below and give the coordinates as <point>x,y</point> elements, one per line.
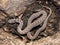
<point>8,33</point>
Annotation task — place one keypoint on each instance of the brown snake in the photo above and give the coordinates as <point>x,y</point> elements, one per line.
<point>30,25</point>
<point>40,29</point>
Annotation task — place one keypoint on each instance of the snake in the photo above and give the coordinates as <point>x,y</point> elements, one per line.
<point>31,24</point>
<point>32,37</point>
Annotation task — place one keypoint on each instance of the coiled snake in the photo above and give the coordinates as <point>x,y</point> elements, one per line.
<point>30,24</point>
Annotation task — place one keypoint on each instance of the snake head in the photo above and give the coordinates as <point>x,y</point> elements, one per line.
<point>15,20</point>
<point>11,20</point>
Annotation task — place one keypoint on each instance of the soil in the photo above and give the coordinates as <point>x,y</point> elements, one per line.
<point>9,34</point>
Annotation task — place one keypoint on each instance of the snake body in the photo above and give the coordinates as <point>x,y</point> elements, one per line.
<point>31,24</point>
<point>40,29</point>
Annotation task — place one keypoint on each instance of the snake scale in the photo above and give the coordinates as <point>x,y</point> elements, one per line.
<point>30,24</point>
